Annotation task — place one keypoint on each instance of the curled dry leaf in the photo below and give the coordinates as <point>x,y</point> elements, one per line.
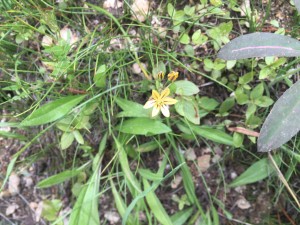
<point>242,203</point>
<point>140,9</point>
<point>13,184</point>
<point>190,154</point>
<point>11,209</point>
<point>204,162</point>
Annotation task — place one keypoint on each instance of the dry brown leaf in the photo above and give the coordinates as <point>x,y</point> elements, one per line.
<point>112,4</point>
<point>204,162</point>
<point>190,154</point>
<point>67,35</point>
<point>13,184</point>
<point>112,217</point>
<point>243,130</point>
<point>11,209</point>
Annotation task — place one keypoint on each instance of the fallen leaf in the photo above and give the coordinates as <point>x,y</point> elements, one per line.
<point>13,184</point>
<point>242,203</point>
<point>190,154</point>
<point>11,209</point>
<point>140,9</point>
<point>243,130</point>
<point>204,162</point>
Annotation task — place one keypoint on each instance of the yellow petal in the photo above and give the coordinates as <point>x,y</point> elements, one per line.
<point>149,104</point>
<point>165,111</point>
<point>170,101</point>
<point>165,93</point>
<point>155,94</point>
<point>155,111</point>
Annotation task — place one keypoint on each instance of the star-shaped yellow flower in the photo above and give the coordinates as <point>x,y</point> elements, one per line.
<point>160,102</point>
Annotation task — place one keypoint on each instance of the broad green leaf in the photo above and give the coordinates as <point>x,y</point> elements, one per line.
<point>226,105</point>
<point>189,109</point>
<point>52,111</point>
<point>131,109</point>
<point>51,209</point>
<point>100,76</point>
<point>143,126</point>
<point>198,38</point>
<point>78,137</point>
<point>260,45</point>
<point>58,178</point>
<point>184,39</point>
<point>263,101</point>
<point>185,87</point>
<point>66,140</point>
<point>85,210</point>
<point>256,172</point>
<point>181,217</point>
<point>283,122</point>
<point>156,207</point>
<point>246,78</point>
<point>257,92</point>
<point>212,134</point>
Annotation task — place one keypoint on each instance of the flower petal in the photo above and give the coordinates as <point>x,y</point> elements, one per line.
<point>155,111</point>
<point>165,111</point>
<point>170,101</point>
<point>165,93</point>
<point>155,94</point>
<point>149,104</point>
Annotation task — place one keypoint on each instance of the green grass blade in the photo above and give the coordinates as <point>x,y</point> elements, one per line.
<point>156,206</point>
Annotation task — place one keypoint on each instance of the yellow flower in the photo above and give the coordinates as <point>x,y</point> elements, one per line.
<point>160,102</point>
<point>172,76</point>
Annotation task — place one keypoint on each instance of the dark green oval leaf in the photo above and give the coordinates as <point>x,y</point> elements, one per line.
<point>283,122</point>
<point>260,45</point>
<point>52,111</point>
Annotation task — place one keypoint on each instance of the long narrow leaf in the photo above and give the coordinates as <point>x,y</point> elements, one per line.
<point>260,45</point>
<point>283,122</point>
<point>52,111</point>
<point>156,207</point>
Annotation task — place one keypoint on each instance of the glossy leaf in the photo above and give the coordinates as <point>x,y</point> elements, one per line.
<point>260,45</point>
<point>143,126</point>
<point>256,172</point>
<point>283,122</point>
<point>52,111</point>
